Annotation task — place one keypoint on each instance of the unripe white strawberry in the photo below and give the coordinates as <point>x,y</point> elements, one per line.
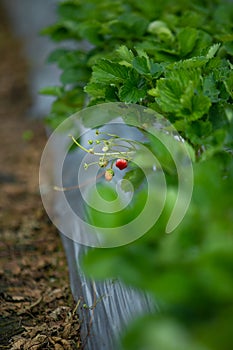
<point>109,173</point>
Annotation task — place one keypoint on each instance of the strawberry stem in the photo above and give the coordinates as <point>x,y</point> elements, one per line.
<point>80,146</point>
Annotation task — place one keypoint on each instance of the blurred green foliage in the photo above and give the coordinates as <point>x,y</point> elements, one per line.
<point>176,58</point>
<point>188,271</point>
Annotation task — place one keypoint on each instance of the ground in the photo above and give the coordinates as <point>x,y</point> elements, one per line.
<point>37,309</point>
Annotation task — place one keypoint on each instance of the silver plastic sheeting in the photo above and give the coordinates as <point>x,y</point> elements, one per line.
<point>108,306</point>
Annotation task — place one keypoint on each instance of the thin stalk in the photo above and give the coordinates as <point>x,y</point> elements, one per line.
<point>80,146</point>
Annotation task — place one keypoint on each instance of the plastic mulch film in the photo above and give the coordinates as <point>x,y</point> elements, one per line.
<point>108,306</point>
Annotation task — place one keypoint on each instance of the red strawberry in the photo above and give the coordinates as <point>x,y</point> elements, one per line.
<point>121,164</point>
<point>109,173</point>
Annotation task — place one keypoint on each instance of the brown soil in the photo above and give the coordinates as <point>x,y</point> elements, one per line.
<point>37,309</point>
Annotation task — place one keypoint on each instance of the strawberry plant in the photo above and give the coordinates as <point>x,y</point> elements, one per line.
<point>174,57</point>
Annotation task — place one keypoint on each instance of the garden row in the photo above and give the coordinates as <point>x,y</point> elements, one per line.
<point>174,57</point>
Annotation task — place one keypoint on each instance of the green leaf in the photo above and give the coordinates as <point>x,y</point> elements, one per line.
<point>161,29</point>
<point>102,268</point>
<point>222,70</point>
<point>228,46</point>
<point>147,66</point>
<point>203,42</point>
<point>91,31</point>
<point>190,63</point>
<point>57,32</point>
<point>218,117</point>
<point>229,84</point>
<point>52,90</point>
<point>159,331</point>
<point>65,105</point>
<point>129,25</point>
<point>187,38</point>
<point>95,89</point>
<point>200,107</point>
<point>135,177</point>
<point>198,132</point>
<point>125,54</point>
<point>101,91</point>
<point>180,93</point>
<point>132,94</point>
<point>111,93</point>
<point>212,50</point>
<point>156,69</point>
<point>167,95</point>
<point>76,75</point>
<point>133,90</point>
<point>210,89</point>
<point>63,30</point>
<point>191,18</point>
<point>70,10</point>
<point>141,65</point>
<point>72,59</point>
<point>106,71</point>
<point>56,55</point>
